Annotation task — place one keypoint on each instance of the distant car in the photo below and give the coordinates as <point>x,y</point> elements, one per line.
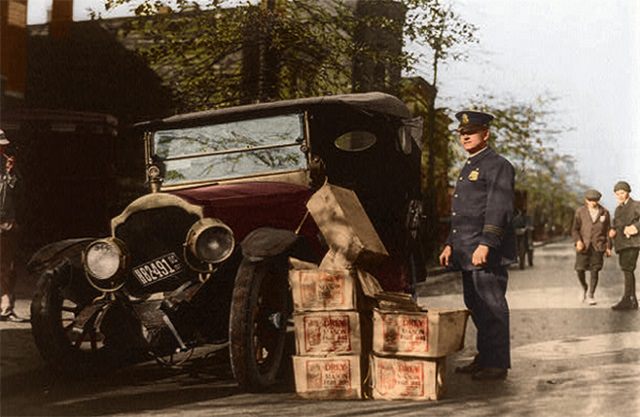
<point>172,275</point>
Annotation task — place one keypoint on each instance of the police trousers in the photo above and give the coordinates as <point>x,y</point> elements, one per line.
<point>484,295</point>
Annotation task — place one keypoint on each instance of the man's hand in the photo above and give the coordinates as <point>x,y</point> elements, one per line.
<point>445,255</point>
<point>607,252</point>
<point>630,230</point>
<point>579,246</point>
<point>480,255</point>
<point>612,233</point>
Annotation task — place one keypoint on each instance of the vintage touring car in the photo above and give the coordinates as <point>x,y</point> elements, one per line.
<point>203,257</point>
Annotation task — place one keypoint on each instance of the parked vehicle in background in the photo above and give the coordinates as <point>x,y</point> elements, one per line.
<point>203,258</point>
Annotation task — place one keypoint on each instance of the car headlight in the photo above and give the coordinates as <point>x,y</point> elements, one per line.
<point>104,261</point>
<point>210,240</point>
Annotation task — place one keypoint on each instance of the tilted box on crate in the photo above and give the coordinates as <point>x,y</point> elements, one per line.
<point>429,334</point>
<point>346,226</point>
<point>333,377</point>
<point>407,379</point>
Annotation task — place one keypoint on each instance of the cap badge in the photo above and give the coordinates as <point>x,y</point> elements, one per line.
<point>465,119</point>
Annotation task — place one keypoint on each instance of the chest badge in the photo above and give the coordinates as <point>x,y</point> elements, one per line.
<point>473,175</point>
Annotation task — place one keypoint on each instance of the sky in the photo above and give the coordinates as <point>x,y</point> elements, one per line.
<point>585,53</point>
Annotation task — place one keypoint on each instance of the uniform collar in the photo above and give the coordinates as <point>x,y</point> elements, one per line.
<point>479,152</point>
<point>479,155</point>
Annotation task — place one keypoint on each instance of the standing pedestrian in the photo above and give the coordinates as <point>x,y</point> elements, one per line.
<point>8,238</point>
<point>481,244</point>
<point>626,241</point>
<point>591,224</point>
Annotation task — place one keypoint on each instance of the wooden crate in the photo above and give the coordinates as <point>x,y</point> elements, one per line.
<point>329,332</point>
<point>318,290</point>
<point>407,379</point>
<point>429,334</point>
<point>345,225</point>
<point>332,377</point>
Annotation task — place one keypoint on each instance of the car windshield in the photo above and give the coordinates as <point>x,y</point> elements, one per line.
<point>231,150</point>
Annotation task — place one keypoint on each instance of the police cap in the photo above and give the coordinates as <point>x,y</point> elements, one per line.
<point>472,121</point>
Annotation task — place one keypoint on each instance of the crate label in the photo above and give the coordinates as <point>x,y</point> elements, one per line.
<point>328,375</point>
<point>405,333</point>
<point>328,289</point>
<point>403,379</point>
<point>327,333</point>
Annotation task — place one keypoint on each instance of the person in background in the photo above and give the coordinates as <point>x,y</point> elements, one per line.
<point>626,241</point>
<point>8,184</point>
<point>591,224</point>
<point>482,244</point>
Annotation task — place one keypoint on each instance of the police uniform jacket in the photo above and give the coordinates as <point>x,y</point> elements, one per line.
<point>592,233</point>
<point>626,214</point>
<point>482,211</point>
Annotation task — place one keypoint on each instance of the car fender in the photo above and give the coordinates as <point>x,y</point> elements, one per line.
<point>267,242</point>
<point>53,254</point>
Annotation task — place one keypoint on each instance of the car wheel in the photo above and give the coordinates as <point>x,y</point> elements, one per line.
<point>260,310</point>
<point>54,309</point>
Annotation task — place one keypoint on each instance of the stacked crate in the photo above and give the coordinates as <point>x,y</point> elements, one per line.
<point>410,349</point>
<point>333,316</point>
<point>329,334</point>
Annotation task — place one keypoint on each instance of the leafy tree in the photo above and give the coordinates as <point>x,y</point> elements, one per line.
<point>216,55</point>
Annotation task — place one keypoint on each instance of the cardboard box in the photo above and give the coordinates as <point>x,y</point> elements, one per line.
<point>316,290</point>
<point>407,379</point>
<point>334,377</point>
<point>346,226</point>
<point>328,332</point>
<point>429,334</point>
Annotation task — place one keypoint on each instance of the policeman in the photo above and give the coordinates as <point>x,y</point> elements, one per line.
<point>481,244</point>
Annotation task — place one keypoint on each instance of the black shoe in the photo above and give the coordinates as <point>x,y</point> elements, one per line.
<point>13,318</point>
<point>489,374</point>
<point>626,303</point>
<point>469,368</point>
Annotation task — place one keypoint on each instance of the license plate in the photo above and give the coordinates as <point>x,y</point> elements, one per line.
<point>160,268</point>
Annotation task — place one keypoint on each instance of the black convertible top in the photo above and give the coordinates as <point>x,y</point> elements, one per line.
<point>374,102</point>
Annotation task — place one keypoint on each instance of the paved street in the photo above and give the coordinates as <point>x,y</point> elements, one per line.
<point>569,359</point>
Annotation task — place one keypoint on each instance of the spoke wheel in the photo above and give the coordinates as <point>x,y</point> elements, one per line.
<point>65,347</point>
<point>260,311</point>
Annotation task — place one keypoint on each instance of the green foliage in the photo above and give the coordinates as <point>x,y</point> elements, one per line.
<point>216,56</point>
<point>436,26</point>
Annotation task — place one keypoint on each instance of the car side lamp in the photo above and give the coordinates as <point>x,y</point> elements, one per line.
<point>210,241</point>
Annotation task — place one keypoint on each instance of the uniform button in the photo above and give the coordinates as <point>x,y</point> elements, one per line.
<point>453,214</point>
<point>455,231</point>
<point>455,195</point>
<point>460,178</point>
<point>468,162</point>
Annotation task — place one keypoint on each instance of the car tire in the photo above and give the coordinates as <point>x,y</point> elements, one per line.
<point>260,310</point>
<point>53,308</point>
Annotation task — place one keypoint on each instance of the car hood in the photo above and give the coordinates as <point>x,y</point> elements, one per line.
<point>249,205</point>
